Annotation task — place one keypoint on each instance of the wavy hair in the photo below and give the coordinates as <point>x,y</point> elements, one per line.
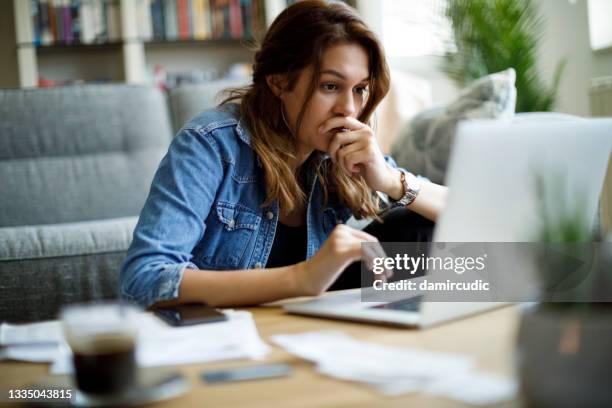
<point>296,40</point>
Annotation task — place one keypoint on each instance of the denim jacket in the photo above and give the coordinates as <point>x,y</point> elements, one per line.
<point>204,210</point>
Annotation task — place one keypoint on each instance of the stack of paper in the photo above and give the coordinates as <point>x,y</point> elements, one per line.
<point>36,342</point>
<point>394,370</point>
<point>158,343</point>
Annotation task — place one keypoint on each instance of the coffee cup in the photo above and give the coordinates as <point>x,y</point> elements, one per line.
<point>102,341</point>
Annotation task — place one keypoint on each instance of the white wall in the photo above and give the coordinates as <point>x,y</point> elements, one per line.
<point>566,36</point>
<point>443,89</point>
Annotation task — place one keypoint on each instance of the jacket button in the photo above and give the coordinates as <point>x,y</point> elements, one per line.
<point>258,265</point>
<point>231,224</point>
<point>269,215</point>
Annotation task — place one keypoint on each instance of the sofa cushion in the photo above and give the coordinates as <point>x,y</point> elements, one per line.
<point>45,267</point>
<point>424,146</point>
<point>79,153</point>
<point>48,241</point>
<point>189,100</point>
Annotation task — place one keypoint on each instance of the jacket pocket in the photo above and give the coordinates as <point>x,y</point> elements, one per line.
<point>236,216</point>
<point>227,239</point>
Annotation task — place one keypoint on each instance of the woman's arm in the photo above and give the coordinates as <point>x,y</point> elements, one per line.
<point>254,286</point>
<point>357,152</point>
<point>172,221</point>
<point>238,288</point>
<point>429,202</point>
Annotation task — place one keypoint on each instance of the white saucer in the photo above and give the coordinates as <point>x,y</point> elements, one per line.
<point>152,386</point>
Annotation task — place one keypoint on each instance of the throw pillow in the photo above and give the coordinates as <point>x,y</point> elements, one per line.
<point>424,146</point>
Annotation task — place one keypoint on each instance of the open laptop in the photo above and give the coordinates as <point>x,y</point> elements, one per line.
<point>492,199</point>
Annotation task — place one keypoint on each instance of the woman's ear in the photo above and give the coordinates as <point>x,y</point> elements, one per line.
<point>277,83</point>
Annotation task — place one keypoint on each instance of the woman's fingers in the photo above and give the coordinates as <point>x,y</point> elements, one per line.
<point>353,160</point>
<point>341,141</point>
<point>373,249</point>
<point>350,155</point>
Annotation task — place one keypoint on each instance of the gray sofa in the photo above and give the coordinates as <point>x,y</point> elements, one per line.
<point>76,165</point>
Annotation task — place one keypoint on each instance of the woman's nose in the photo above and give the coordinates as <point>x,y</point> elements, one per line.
<point>345,105</point>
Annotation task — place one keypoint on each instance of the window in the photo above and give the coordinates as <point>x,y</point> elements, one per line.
<point>600,29</point>
<point>415,28</point>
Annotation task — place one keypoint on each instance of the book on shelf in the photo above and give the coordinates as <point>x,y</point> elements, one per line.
<point>75,21</point>
<point>235,19</point>
<point>99,21</point>
<point>157,18</point>
<point>170,20</point>
<point>144,19</point>
<point>202,19</point>
<point>183,12</point>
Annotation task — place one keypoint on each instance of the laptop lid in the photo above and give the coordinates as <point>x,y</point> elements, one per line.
<point>493,169</point>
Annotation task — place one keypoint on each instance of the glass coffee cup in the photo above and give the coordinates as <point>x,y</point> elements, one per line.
<point>102,339</point>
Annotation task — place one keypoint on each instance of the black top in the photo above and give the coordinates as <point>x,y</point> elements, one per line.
<point>289,246</point>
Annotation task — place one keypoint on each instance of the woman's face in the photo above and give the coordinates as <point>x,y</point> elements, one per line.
<point>342,91</point>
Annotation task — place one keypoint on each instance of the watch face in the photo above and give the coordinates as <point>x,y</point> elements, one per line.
<point>413,183</point>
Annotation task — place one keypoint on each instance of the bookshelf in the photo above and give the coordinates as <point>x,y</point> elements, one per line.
<point>130,54</point>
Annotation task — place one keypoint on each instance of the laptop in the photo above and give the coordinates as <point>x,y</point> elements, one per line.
<point>491,199</point>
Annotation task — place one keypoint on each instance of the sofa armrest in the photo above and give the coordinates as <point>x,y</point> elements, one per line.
<point>44,267</point>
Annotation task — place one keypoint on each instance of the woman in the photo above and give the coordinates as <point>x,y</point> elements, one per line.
<point>255,188</point>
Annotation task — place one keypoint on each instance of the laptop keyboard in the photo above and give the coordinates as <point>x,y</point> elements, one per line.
<point>412,304</point>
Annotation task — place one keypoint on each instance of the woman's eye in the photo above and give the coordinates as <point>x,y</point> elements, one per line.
<point>361,90</point>
<point>329,86</point>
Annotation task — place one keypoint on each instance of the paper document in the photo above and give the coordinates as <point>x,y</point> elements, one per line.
<point>158,344</point>
<point>42,332</point>
<point>397,370</point>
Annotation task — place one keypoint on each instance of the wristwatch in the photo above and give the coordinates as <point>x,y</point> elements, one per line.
<point>412,187</point>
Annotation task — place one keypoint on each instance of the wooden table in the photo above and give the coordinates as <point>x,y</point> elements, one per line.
<point>489,338</point>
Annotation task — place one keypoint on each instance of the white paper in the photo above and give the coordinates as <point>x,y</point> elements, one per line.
<point>34,353</point>
<point>476,388</point>
<point>235,338</point>
<point>158,344</point>
<point>397,370</point>
<point>42,332</point>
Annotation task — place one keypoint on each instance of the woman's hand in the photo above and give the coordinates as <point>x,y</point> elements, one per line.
<point>356,151</point>
<point>342,247</point>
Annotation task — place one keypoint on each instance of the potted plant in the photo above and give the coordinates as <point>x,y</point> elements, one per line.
<point>494,35</point>
<point>565,339</point>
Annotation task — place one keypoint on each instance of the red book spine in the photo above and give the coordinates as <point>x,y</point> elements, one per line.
<point>235,19</point>
<point>183,18</point>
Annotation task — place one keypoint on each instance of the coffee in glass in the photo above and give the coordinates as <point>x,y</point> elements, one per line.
<point>102,338</point>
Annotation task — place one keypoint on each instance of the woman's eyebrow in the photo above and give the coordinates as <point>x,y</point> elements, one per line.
<point>339,74</point>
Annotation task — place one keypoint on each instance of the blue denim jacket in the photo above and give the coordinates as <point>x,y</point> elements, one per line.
<point>204,210</point>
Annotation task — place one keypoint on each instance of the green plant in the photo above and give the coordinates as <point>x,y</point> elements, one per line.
<point>493,35</point>
<point>574,267</point>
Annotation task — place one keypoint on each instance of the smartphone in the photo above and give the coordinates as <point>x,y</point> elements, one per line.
<point>247,373</point>
<point>189,314</point>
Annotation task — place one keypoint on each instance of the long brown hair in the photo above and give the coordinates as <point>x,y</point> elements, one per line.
<point>296,40</point>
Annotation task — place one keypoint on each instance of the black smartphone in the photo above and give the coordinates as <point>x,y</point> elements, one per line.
<point>189,314</point>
